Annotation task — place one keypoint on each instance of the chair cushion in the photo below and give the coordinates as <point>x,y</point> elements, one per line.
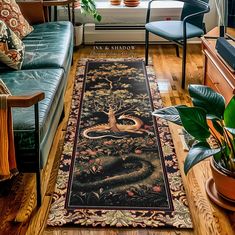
<point>50,81</point>
<point>48,46</point>
<point>173,30</point>
<point>11,47</point>
<point>10,13</point>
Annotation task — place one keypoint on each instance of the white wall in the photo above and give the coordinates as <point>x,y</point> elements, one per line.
<point>211,18</point>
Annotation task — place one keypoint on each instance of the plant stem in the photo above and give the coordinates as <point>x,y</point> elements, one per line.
<point>231,146</point>
<point>214,135</point>
<point>223,158</point>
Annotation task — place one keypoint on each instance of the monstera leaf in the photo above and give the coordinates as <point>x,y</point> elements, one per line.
<point>197,153</point>
<point>194,121</point>
<point>206,98</point>
<point>170,114</point>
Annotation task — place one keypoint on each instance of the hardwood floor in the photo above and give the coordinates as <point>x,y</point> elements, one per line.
<point>208,219</point>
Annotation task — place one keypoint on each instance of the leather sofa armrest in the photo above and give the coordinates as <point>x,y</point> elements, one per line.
<point>25,101</point>
<point>32,10</point>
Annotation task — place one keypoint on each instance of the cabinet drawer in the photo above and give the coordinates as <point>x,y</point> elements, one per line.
<point>209,82</point>
<point>217,80</point>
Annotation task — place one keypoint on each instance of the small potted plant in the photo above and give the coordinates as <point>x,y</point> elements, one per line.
<point>209,118</point>
<point>87,7</point>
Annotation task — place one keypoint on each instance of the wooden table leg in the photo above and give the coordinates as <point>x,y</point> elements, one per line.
<point>55,13</point>
<point>73,14</point>
<point>69,13</point>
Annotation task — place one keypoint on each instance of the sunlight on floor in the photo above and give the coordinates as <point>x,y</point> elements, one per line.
<point>164,86</point>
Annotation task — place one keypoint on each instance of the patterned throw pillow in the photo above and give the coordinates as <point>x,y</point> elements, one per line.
<point>10,13</point>
<point>11,47</point>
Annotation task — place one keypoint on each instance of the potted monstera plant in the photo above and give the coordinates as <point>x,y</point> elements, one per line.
<point>209,120</point>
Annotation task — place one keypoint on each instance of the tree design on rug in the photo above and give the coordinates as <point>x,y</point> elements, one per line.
<point>117,154</point>
<point>108,91</point>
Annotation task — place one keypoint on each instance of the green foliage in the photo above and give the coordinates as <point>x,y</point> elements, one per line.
<point>207,99</point>
<point>194,122</point>
<point>228,113</point>
<point>170,114</point>
<point>209,106</point>
<point>197,153</point>
<point>89,7</point>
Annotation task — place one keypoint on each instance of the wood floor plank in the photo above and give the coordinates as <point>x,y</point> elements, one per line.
<point>37,224</point>
<point>28,201</point>
<point>79,231</point>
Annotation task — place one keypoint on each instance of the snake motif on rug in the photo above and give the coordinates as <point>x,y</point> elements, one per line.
<point>129,170</point>
<point>113,126</point>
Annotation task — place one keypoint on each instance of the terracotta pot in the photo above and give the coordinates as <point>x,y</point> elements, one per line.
<point>131,3</point>
<point>115,2</point>
<point>224,181</point>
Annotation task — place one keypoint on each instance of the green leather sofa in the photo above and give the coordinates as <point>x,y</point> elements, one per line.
<point>46,66</point>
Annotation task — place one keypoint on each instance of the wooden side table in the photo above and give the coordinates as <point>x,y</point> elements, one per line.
<point>32,10</point>
<point>217,74</point>
<point>55,3</point>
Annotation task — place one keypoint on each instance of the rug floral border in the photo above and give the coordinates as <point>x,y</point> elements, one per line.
<point>59,215</point>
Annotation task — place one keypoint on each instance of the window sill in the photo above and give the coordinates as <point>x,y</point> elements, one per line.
<point>143,5</point>
<point>128,15</point>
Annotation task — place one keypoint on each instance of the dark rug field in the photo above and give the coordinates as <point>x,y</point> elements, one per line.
<point>118,166</point>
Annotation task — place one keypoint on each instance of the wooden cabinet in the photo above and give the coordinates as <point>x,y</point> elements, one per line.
<point>217,74</point>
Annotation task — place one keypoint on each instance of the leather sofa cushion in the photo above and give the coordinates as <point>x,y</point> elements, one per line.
<point>48,45</point>
<point>50,81</point>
